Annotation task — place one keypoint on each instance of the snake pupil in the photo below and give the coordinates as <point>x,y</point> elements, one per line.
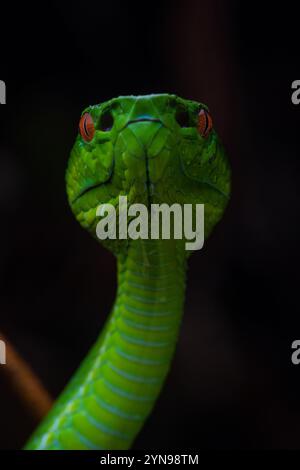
<point>86,128</point>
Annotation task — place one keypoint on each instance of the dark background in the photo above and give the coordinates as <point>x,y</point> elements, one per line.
<point>232,383</point>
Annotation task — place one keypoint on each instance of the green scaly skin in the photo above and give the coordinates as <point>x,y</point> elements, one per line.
<point>155,161</point>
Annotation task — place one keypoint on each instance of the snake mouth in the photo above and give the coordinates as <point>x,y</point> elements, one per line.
<point>143,119</point>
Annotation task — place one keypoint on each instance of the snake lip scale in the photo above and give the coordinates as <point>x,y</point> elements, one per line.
<point>143,120</point>
<point>86,190</point>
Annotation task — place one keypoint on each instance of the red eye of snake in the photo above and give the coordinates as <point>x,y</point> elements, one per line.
<point>204,123</point>
<point>86,127</point>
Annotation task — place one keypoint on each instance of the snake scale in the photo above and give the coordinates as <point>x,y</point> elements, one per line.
<point>156,148</point>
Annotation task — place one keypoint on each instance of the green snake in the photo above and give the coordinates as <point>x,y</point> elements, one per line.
<point>153,149</point>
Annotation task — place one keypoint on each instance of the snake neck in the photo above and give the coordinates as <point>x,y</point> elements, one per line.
<point>144,325</point>
<point>151,287</point>
<point>114,390</point>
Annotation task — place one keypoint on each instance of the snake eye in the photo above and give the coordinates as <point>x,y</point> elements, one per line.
<point>204,123</point>
<point>86,127</point>
<point>106,121</point>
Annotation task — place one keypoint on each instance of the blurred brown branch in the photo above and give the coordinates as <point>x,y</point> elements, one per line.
<point>24,383</point>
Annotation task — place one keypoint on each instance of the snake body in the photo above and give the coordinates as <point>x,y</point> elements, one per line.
<point>152,149</point>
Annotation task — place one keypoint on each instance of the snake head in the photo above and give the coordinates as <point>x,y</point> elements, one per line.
<point>153,149</point>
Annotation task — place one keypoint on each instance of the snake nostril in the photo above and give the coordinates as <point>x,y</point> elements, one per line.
<point>183,118</point>
<point>182,115</point>
<point>106,121</point>
<point>172,102</point>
